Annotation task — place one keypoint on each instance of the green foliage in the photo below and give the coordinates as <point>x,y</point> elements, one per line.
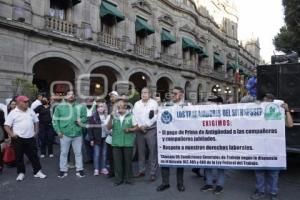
<point>21,86</point>
<point>288,39</point>
<point>134,96</point>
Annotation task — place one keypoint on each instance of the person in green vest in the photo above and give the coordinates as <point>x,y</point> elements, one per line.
<point>68,120</point>
<point>123,126</point>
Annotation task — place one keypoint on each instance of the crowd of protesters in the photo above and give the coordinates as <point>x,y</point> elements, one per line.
<point>107,134</point>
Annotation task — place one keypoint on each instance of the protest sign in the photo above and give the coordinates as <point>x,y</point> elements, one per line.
<point>239,136</point>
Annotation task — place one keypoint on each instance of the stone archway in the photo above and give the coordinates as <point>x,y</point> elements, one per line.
<point>102,80</point>
<point>139,80</point>
<point>54,73</point>
<point>163,86</point>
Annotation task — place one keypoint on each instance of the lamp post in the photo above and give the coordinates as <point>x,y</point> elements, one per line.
<point>227,92</point>
<point>216,89</point>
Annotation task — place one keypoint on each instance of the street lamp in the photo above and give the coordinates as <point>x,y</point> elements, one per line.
<point>98,86</point>
<point>216,89</point>
<point>227,92</point>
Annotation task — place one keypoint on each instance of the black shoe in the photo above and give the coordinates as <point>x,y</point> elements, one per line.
<point>197,171</point>
<point>62,174</point>
<point>274,197</point>
<point>80,174</point>
<point>117,183</point>
<point>110,175</point>
<point>206,188</point>
<point>258,195</point>
<point>180,188</point>
<point>218,189</point>
<point>129,182</point>
<point>162,187</point>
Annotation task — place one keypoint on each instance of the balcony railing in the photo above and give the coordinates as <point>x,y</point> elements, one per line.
<point>171,60</point>
<point>188,64</point>
<point>108,40</point>
<point>61,26</point>
<point>143,51</point>
<point>205,69</point>
<point>218,74</point>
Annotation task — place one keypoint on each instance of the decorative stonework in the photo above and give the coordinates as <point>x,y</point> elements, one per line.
<point>143,5</point>
<point>167,19</point>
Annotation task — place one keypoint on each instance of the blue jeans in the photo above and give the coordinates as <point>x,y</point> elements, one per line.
<point>210,176</point>
<point>100,155</point>
<point>65,143</point>
<point>267,180</point>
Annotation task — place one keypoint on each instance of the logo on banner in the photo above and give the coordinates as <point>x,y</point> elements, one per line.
<point>272,112</point>
<point>166,117</point>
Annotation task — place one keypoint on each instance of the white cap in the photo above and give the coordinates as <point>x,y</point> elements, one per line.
<point>113,93</point>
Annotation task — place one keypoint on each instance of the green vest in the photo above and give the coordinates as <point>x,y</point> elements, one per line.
<point>119,137</point>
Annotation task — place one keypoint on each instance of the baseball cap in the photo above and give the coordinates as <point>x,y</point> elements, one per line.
<point>113,93</point>
<point>22,98</point>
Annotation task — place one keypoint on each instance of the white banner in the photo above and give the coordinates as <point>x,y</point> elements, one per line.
<point>239,136</point>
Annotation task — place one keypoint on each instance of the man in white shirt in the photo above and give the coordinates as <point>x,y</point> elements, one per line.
<point>145,112</point>
<point>37,102</point>
<point>22,126</point>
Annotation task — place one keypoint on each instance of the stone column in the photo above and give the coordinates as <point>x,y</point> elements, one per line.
<point>82,87</point>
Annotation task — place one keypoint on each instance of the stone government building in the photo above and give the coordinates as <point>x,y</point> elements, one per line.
<point>158,43</point>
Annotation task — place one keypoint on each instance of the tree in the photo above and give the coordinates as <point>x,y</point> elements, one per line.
<point>288,39</point>
<point>21,86</point>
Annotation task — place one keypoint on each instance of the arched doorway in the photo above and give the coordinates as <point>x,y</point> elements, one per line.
<point>49,70</point>
<point>187,90</point>
<point>139,80</point>
<point>102,81</point>
<point>163,86</point>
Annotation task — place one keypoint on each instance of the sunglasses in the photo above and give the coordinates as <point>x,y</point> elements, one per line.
<point>25,101</point>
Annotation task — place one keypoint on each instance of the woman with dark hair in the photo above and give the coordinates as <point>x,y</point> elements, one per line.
<point>123,126</point>
<point>46,131</point>
<point>97,133</point>
<point>12,105</point>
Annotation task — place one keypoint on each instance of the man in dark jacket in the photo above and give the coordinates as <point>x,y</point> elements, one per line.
<point>177,100</point>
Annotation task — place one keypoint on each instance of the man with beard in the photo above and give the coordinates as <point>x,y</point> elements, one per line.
<point>68,121</point>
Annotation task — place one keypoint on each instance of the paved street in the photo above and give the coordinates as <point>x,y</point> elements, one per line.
<point>239,186</point>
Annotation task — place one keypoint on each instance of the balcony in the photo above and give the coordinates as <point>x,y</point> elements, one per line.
<point>109,41</point>
<point>206,70</point>
<point>218,74</point>
<point>188,64</point>
<point>168,59</point>
<point>61,26</point>
<point>143,51</point>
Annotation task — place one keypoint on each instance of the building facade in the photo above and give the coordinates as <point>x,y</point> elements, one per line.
<point>99,45</point>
